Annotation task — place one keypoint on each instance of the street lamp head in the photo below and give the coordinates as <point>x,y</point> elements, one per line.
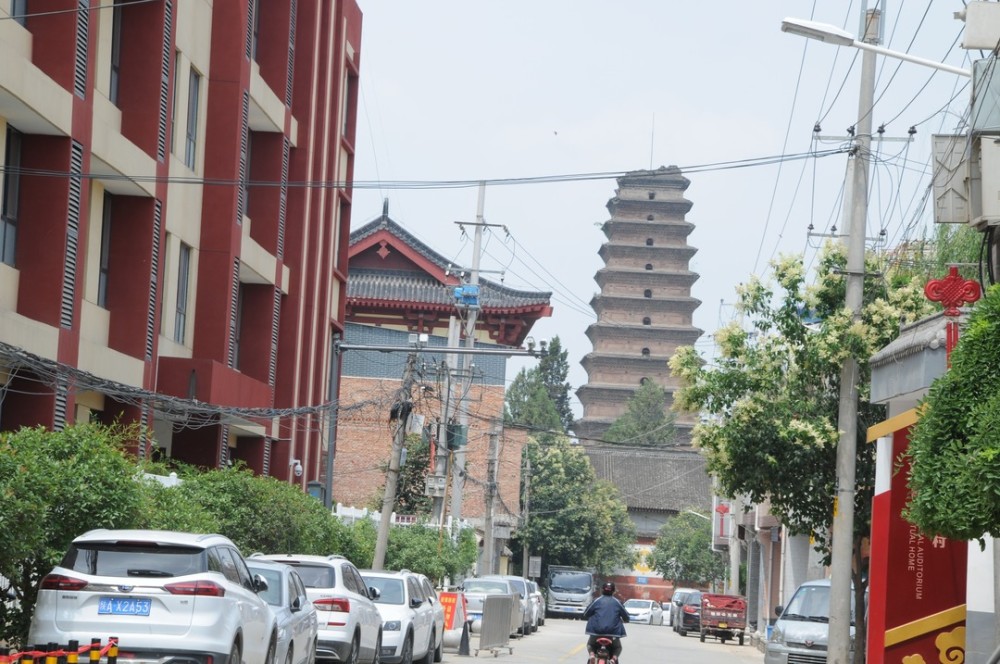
<point>824,32</point>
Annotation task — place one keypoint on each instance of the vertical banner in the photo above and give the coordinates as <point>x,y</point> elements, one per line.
<point>916,611</point>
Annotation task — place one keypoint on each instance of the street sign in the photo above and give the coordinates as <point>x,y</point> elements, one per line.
<point>534,566</point>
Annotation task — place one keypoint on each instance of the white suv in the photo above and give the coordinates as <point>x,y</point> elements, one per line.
<point>165,595</point>
<point>409,632</point>
<point>350,627</point>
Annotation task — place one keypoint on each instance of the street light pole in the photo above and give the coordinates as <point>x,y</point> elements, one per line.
<point>842,549</point>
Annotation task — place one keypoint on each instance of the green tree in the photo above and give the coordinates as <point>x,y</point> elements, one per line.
<point>575,518</point>
<point>955,445</point>
<point>553,368</point>
<point>646,420</point>
<point>769,401</point>
<point>56,485</point>
<point>528,404</point>
<point>683,551</point>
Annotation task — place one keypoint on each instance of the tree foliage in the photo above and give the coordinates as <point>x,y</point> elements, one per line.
<point>575,518</point>
<point>646,421</point>
<point>553,368</point>
<point>538,398</point>
<point>771,398</point>
<point>683,551</point>
<point>954,448</point>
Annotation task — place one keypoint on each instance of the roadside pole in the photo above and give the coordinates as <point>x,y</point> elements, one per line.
<point>489,541</point>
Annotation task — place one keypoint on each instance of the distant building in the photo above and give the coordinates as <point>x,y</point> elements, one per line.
<point>155,265</point>
<point>644,309</point>
<point>398,286</point>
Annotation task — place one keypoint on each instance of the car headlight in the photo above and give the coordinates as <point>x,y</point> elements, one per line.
<point>777,637</point>
<point>391,626</point>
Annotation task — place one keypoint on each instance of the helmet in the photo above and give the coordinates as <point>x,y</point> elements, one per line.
<point>608,588</point>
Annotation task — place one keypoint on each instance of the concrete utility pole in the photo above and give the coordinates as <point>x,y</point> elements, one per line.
<point>847,417</point>
<point>458,476</point>
<point>490,494</point>
<point>401,414</point>
<point>441,452</point>
<point>527,508</point>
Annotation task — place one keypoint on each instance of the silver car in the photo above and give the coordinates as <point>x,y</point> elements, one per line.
<point>294,613</point>
<point>408,629</point>
<point>166,596</point>
<point>476,589</point>
<point>437,610</point>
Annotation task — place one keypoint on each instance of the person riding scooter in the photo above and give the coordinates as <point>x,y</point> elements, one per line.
<point>606,617</point>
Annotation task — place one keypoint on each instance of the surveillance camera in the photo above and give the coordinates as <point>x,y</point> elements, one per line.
<point>297,468</point>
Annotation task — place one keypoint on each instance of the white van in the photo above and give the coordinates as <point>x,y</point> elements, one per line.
<point>802,630</point>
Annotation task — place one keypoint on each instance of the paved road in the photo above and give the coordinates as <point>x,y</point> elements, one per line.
<point>562,641</point>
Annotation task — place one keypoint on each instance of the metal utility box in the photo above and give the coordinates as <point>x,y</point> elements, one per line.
<point>982,26</point>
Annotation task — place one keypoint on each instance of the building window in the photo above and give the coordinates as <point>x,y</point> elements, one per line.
<point>173,101</point>
<point>116,51</point>
<point>647,321</point>
<point>649,266</point>
<point>255,8</point>
<point>183,286</point>
<point>649,217</point>
<point>647,293</point>
<point>643,380</point>
<point>11,196</point>
<point>244,184</point>
<point>645,352</point>
<point>238,328</point>
<point>652,195</point>
<point>649,242</point>
<point>105,259</point>
<point>191,140</point>
<point>19,11</point>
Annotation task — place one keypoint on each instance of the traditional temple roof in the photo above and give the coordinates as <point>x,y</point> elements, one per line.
<point>389,269</point>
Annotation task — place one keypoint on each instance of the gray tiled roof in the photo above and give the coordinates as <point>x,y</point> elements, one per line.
<point>389,286</point>
<point>668,479</point>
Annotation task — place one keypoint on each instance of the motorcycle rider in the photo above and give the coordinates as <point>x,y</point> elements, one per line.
<point>606,617</point>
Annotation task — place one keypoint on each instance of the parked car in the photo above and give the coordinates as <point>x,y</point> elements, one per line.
<point>407,617</point>
<point>676,601</point>
<point>535,592</point>
<point>477,588</point>
<point>350,626</point>
<point>644,611</point>
<point>294,614</point>
<point>689,617</point>
<point>164,594</point>
<point>438,612</point>
<point>666,607</point>
<point>528,624</point>
<point>806,620</point>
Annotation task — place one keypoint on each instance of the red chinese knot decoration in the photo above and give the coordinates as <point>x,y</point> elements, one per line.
<point>952,292</point>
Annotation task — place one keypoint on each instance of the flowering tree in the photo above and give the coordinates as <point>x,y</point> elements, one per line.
<point>770,400</point>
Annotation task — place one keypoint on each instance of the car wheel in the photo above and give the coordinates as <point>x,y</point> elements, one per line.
<point>235,655</point>
<point>377,657</point>
<point>272,650</point>
<point>406,656</point>
<point>682,632</point>
<point>428,657</point>
<point>439,650</point>
<point>355,654</point>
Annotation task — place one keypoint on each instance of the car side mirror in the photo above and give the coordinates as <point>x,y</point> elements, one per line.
<point>778,609</point>
<point>415,602</point>
<point>259,583</point>
<point>296,605</point>
<point>373,592</point>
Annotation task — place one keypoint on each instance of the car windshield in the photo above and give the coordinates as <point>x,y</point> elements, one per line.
<point>486,587</point>
<point>637,604</point>
<point>570,582</point>
<point>315,576</point>
<point>135,559</point>
<point>518,586</point>
<point>390,590</point>
<point>680,597</point>
<point>810,603</point>
<point>273,577</point>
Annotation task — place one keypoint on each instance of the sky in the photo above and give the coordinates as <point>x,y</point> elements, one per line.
<point>567,94</point>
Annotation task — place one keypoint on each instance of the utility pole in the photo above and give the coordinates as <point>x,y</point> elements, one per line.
<point>490,493</point>
<point>527,508</point>
<point>847,417</point>
<point>458,476</point>
<point>441,452</point>
<point>401,414</point>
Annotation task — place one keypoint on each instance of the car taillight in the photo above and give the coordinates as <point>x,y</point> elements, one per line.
<point>60,582</point>
<point>199,588</point>
<point>690,609</point>
<point>336,605</point>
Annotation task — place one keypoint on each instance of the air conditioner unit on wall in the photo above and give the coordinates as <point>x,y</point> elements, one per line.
<point>989,182</point>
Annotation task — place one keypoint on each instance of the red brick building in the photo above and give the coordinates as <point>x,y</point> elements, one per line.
<point>162,260</point>
<point>398,286</point>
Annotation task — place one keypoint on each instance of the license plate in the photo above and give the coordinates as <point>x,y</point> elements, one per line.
<point>723,625</point>
<point>475,616</point>
<point>124,606</point>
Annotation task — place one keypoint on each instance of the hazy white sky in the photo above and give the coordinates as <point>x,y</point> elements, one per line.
<point>465,90</point>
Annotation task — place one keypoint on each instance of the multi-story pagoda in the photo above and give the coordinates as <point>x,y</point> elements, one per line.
<point>644,309</point>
